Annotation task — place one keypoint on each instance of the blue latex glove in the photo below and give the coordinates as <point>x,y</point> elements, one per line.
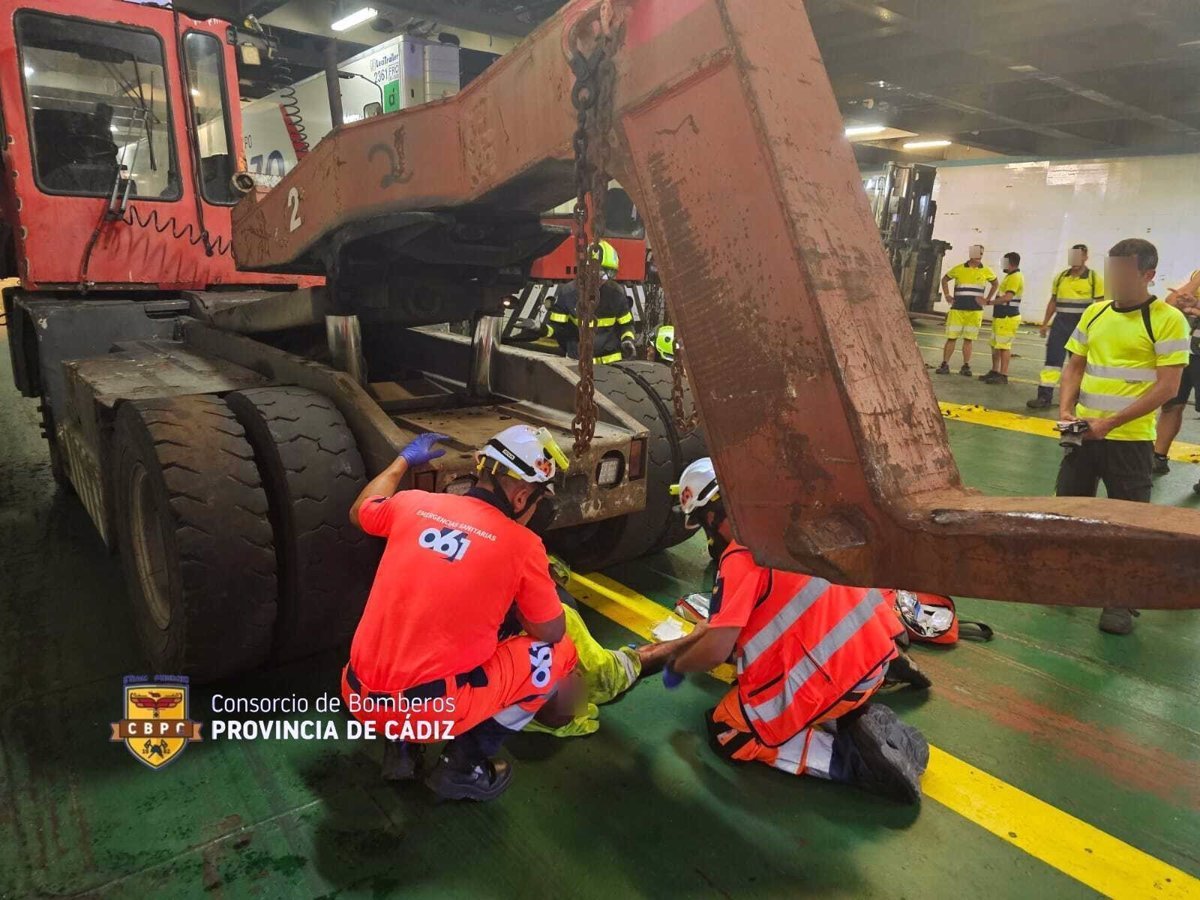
<point>421,450</point>
<point>671,678</point>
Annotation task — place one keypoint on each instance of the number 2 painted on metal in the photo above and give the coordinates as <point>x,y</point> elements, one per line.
<point>294,205</point>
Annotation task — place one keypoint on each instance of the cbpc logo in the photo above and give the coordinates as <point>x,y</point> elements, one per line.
<point>156,728</point>
<point>448,542</point>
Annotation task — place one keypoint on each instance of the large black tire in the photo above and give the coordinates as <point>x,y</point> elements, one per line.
<point>312,472</point>
<point>616,540</point>
<point>194,538</point>
<point>658,382</point>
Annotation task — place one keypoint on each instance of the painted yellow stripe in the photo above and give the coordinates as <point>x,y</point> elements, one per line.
<point>1070,845</point>
<point>1181,451</point>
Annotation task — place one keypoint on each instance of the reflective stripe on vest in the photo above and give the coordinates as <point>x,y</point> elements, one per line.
<point>1121,373</point>
<point>783,620</point>
<point>820,655</point>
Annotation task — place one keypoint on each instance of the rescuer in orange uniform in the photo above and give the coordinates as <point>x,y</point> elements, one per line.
<point>427,658</point>
<point>809,656</point>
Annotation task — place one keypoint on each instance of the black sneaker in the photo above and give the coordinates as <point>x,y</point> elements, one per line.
<point>965,371</point>
<point>882,754</point>
<point>943,369</point>
<point>1039,403</point>
<point>402,761</point>
<point>902,670</point>
<point>1162,464</point>
<point>483,781</point>
<point>1117,620</point>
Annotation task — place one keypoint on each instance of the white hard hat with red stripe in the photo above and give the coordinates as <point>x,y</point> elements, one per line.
<point>697,486</point>
<point>528,453</point>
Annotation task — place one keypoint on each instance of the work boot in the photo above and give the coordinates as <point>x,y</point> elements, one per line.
<point>989,376</point>
<point>1117,620</point>
<point>1162,464</point>
<point>1196,487</point>
<point>876,751</point>
<point>902,670</point>
<point>965,371</point>
<point>1043,399</point>
<point>943,369</point>
<point>483,780</point>
<point>402,761</point>
<point>999,379</point>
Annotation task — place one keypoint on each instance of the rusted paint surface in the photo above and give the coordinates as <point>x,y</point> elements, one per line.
<point>826,434</point>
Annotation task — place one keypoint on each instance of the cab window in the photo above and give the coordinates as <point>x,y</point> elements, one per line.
<point>206,84</point>
<point>96,96</point>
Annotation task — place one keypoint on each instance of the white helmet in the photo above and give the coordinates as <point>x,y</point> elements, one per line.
<point>528,453</point>
<point>697,486</point>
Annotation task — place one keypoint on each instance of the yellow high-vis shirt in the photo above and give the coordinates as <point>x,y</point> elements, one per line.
<point>1015,282</point>
<point>1075,293</point>
<point>1124,350</point>
<point>970,285</point>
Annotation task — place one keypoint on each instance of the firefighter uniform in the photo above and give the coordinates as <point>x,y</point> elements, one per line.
<point>808,652</point>
<point>1072,294</point>
<point>426,649</point>
<point>1007,316</point>
<point>613,322</point>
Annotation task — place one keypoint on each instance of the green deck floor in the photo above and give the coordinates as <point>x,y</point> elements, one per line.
<point>1105,728</point>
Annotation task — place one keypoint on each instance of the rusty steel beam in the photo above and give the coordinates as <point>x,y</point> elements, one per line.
<point>827,437</point>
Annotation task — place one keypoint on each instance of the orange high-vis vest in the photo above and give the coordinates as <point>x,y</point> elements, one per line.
<point>807,644</point>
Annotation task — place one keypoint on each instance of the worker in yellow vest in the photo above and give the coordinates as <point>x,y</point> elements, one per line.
<point>1127,360</point>
<point>1075,288</point>
<point>1006,316</point>
<point>974,286</point>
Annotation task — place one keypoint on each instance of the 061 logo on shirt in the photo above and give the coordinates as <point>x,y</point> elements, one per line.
<point>448,542</point>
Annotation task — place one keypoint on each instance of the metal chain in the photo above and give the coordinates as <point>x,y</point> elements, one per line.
<point>592,96</point>
<point>685,423</point>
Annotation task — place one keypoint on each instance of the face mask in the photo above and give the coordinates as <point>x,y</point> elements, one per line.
<point>543,517</point>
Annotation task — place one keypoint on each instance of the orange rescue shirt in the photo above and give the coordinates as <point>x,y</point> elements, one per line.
<point>452,568</point>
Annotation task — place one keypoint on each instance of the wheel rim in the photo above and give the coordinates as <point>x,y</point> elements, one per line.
<point>149,551</point>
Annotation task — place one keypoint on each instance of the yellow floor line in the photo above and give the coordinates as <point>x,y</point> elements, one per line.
<point>1070,845</point>
<point>1181,451</point>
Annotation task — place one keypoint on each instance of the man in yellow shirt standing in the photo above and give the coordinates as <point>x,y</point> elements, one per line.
<point>1075,289</point>
<point>972,280</point>
<point>1006,316</point>
<point>1127,358</point>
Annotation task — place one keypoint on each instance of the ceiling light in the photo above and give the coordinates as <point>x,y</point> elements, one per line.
<point>863,130</point>
<point>195,92</point>
<point>926,145</point>
<point>366,14</point>
<point>28,71</point>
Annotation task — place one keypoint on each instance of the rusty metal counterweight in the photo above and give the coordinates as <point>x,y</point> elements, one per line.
<point>831,449</point>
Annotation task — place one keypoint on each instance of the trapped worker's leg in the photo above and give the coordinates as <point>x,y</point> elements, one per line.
<point>606,674</point>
